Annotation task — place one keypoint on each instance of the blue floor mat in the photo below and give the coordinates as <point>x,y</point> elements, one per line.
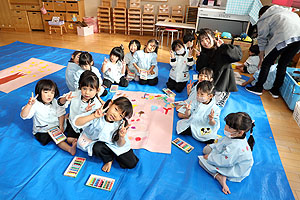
<point>29,170</point>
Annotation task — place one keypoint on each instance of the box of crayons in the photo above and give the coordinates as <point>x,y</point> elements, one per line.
<point>100,182</point>
<point>182,145</point>
<point>169,92</point>
<point>74,167</point>
<point>57,135</point>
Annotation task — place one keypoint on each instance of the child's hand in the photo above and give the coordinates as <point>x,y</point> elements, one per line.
<point>197,51</point>
<point>244,84</point>
<point>32,99</point>
<point>219,41</point>
<point>151,72</point>
<point>205,156</point>
<point>69,96</point>
<point>124,129</point>
<point>123,63</point>
<point>188,106</point>
<point>100,112</point>
<point>89,107</point>
<point>211,115</point>
<point>172,54</point>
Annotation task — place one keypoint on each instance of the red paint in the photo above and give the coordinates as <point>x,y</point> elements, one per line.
<point>137,139</point>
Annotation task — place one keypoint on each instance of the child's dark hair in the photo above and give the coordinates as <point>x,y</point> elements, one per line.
<point>118,51</point>
<point>74,54</point>
<point>177,43</point>
<point>138,44</point>
<point>156,44</point>
<point>254,49</point>
<point>85,59</point>
<point>204,32</point>
<point>263,10</point>
<point>188,38</point>
<point>207,71</point>
<point>46,85</point>
<point>89,79</point>
<point>125,105</point>
<point>206,87</point>
<point>241,121</point>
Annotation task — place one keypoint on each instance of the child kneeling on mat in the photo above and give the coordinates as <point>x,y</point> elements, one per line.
<point>230,158</point>
<point>201,118</point>
<point>104,133</point>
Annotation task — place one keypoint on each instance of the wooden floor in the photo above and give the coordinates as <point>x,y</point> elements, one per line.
<point>285,130</point>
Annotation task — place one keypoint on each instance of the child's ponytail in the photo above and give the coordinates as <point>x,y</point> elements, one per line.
<point>251,140</point>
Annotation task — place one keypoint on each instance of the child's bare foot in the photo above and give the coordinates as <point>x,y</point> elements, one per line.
<point>222,181</point>
<point>73,147</point>
<point>107,166</point>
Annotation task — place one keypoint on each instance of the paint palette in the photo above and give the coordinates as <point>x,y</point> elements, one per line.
<point>177,103</point>
<point>169,92</point>
<point>182,145</point>
<point>130,75</point>
<point>74,167</point>
<point>100,182</point>
<point>57,135</point>
<point>143,74</point>
<point>114,88</point>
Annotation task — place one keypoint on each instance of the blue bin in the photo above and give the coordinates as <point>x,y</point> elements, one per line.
<point>290,90</point>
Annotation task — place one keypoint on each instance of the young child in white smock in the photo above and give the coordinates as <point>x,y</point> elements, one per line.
<point>146,60</point>
<point>201,119</point>
<point>46,114</point>
<point>84,100</point>
<point>181,62</point>
<point>104,134</point>
<point>231,157</point>
<point>134,45</point>
<point>205,74</point>
<point>114,69</point>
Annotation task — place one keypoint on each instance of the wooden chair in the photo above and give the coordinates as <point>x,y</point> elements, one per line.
<point>177,14</point>
<point>148,19</point>
<point>57,26</point>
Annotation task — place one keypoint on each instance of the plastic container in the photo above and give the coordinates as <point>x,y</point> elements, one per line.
<point>290,90</point>
<point>296,113</point>
<point>91,21</point>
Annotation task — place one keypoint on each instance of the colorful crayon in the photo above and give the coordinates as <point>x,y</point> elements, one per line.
<point>100,182</point>
<point>74,167</point>
<point>182,145</point>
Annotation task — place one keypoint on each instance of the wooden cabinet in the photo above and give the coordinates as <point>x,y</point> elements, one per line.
<point>6,22</point>
<point>25,14</point>
<point>70,11</point>
<point>35,20</point>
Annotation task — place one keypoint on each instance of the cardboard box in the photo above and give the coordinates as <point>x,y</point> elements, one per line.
<point>245,48</point>
<point>84,31</point>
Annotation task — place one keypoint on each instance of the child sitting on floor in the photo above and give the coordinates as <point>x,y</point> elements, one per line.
<point>230,158</point>
<point>114,69</point>
<point>86,62</point>
<point>270,79</point>
<point>72,68</point>
<point>201,118</point>
<point>251,64</point>
<point>145,63</point>
<point>81,101</point>
<point>205,74</point>
<point>104,133</point>
<point>46,114</point>
<point>134,45</point>
<point>181,61</point>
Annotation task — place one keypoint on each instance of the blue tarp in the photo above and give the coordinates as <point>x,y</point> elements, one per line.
<point>29,170</point>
